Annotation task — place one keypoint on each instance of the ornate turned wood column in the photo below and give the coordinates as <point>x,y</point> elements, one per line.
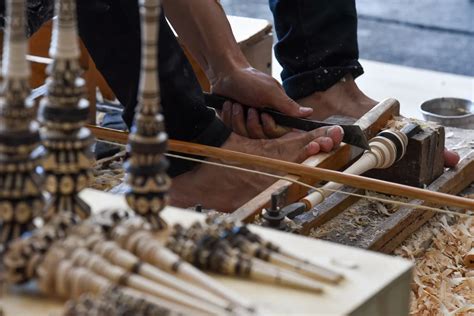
<point>63,113</point>
<point>146,168</point>
<point>21,197</point>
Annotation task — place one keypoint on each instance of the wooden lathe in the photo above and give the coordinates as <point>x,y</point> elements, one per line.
<point>117,255</point>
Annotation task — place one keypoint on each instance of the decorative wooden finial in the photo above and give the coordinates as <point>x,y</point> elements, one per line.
<point>146,168</point>
<point>21,197</point>
<point>63,113</point>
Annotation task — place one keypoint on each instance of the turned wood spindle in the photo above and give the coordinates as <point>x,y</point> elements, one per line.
<point>84,258</point>
<point>59,277</point>
<point>131,236</point>
<point>147,142</point>
<point>63,114</point>
<point>126,260</point>
<point>21,198</point>
<point>385,149</point>
<point>207,251</point>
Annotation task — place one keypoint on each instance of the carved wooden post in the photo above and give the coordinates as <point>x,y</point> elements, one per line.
<point>21,196</point>
<point>146,168</point>
<point>63,113</point>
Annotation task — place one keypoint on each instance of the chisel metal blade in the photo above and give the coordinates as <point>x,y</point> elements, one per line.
<point>353,134</point>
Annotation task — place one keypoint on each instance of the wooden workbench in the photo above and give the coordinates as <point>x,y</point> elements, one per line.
<point>375,284</point>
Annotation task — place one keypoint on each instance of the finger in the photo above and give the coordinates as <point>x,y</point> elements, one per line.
<point>238,120</point>
<point>226,114</point>
<point>271,129</point>
<point>288,106</point>
<point>254,128</point>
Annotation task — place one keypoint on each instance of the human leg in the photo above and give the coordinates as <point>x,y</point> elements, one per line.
<point>318,48</point>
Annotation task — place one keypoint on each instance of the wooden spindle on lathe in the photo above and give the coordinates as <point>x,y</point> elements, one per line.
<point>63,113</point>
<point>146,169</point>
<point>133,237</point>
<point>386,148</point>
<point>21,197</point>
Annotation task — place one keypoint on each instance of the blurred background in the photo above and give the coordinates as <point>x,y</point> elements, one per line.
<point>429,34</point>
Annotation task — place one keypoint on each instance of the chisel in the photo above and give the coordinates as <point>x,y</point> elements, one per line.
<point>353,134</point>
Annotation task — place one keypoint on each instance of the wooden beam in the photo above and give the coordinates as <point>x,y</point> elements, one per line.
<point>393,231</point>
<point>371,123</point>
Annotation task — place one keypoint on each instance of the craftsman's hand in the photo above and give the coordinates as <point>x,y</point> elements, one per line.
<point>254,88</point>
<point>250,124</point>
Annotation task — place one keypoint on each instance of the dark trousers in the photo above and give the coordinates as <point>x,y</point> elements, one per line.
<point>317,43</point>
<point>317,46</point>
<point>111,32</point>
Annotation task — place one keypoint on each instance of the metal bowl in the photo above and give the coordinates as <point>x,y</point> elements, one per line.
<point>449,112</point>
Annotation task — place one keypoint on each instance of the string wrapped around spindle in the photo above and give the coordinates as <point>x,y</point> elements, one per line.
<point>21,197</point>
<point>63,113</point>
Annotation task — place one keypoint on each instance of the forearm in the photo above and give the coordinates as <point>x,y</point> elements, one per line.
<point>203,28</point>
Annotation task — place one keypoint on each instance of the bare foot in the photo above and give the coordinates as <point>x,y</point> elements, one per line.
<point>226,190</point>
<point>343,98</point>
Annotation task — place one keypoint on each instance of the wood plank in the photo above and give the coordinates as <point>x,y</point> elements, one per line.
<point>406,220</point>
<point>379,283</point>
<point>371,123</point>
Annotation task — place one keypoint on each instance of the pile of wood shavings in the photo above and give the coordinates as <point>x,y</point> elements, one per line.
<point>442,284</point>
<point>108,172</point>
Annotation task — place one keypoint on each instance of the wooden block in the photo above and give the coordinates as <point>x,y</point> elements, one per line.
<point>423,162</point>
<point>393,231</point>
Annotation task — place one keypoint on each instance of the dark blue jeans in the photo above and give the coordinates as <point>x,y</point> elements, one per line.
<point>317,43</point>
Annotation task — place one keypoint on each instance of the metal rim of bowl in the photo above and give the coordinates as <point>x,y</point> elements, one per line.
<point>445,116</point>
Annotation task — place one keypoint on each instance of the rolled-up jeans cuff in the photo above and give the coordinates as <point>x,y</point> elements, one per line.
<point>304,84</point>
<point>214,135</point>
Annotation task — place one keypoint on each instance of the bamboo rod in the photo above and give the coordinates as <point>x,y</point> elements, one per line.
<point>302,170</point>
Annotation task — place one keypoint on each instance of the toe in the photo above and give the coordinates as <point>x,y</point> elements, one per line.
<point>451,158</point>
<point>312,148</point>
<point>325,143</point>
<point>336,133</point>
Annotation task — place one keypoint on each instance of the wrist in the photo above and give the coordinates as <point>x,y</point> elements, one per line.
<point>225,65</point>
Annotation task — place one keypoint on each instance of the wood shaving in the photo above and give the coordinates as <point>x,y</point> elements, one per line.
<point>442,285</point>
<point>108,173</point>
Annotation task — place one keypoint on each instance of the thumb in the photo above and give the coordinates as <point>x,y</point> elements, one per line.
<point>288,106</point>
